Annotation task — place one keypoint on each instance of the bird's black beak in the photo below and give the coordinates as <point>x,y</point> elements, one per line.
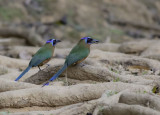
<point>95,41</point>
<point>58,41</point>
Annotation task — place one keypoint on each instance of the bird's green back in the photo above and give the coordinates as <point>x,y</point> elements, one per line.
<point>42,54</point>
<point>79,52</point>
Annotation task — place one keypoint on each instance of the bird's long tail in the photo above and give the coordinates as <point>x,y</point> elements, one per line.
<point>25,71</point>
<point>56,75</point>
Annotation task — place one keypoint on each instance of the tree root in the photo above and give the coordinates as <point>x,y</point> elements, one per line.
<point>112,47</point>
<point>29,35</point>
<point>145,100</point>
<point>13,63</point>
<point>7,85</point>
<point>60,96</point>
<point>86,72</point>
<point>124,109</point>
<point>136,47</point>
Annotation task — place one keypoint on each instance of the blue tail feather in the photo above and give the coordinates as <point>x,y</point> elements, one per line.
<point>25,71</point>
<point>45,84</point>
<point>56,75</point>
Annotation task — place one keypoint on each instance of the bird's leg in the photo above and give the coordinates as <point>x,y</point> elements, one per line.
<point>82,64</point>
<point>47,66</point>
<point>66,78</point>
<point>39,68</point>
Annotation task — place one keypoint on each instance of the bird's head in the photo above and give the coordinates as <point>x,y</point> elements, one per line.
<point>52,41</point>
<point>89,40</point>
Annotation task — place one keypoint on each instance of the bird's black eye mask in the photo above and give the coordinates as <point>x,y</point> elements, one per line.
<point>89,40</point>
<point>54,42</point>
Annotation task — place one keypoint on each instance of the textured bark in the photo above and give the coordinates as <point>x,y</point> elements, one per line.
<point>124,109</point>
<point>59,96</point>
<point>8,85</point>
<point>29,35</point>
<point>85,72</point>
<point>145,100</point>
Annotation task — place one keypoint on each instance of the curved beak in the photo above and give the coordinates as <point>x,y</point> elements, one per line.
<point>58,41</point>
<point>95,41</point>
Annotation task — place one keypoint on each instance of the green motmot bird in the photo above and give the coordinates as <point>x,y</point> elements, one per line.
<point>77,55</point>
<point>42,56</point>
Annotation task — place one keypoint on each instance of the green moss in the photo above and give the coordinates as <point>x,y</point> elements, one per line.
<point>8,14</point>
<point>110,93</point>
<point>116,80</point>
<point>144,92</point>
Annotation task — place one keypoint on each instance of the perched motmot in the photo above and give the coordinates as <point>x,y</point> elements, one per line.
<point>77,55</point>
<point>42,56</point>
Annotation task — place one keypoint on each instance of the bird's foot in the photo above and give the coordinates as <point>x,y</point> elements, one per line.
<point>47,65</point>
<point>82,64</point>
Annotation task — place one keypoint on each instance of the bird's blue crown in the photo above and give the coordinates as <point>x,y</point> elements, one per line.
<point>52,41</point>
<point>89,40</point>
<point>85,38</point>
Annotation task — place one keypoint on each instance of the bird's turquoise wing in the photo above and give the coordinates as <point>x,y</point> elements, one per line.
<point>42,55</point>
<point>77,54</point>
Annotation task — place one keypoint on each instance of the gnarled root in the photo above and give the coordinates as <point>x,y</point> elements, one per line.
<point>124,109</point>
<point>59,96</point>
